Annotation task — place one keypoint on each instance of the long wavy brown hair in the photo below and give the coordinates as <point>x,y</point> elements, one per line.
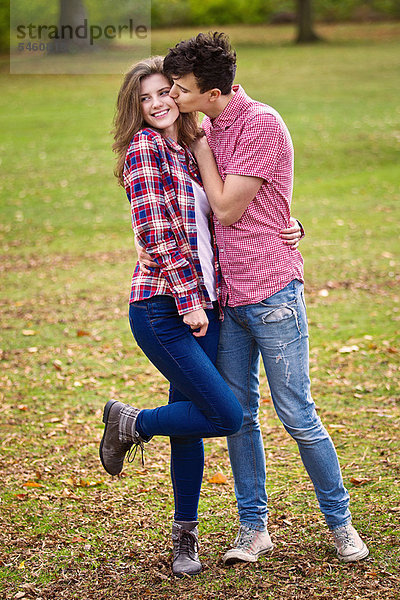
<point>128,118</point>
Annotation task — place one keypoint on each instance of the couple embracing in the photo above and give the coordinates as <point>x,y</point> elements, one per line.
<point>219,283</point>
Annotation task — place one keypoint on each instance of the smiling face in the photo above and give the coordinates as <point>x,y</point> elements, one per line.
<point>158,108</point>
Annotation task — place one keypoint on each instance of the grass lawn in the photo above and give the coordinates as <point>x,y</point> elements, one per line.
<point>69,531</point>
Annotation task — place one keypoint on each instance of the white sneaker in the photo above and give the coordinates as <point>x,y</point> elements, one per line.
<point>349,545</point>
<point>248,546</point>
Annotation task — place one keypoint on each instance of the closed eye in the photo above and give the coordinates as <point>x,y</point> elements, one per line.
<point>180,87</point>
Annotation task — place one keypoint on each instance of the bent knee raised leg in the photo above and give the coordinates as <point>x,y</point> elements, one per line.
<point>248,426</point>
<point>233,423</point>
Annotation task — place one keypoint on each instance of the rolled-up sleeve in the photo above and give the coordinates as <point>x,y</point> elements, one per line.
<point>260,146</point>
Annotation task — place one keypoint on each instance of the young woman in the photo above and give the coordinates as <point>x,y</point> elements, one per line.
<point>174,313</point>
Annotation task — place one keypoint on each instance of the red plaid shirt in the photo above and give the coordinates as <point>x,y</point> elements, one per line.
<point>157,179</point>
<point>250,138</point>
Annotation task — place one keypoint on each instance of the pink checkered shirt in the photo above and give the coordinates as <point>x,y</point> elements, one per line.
<point>250,138</point>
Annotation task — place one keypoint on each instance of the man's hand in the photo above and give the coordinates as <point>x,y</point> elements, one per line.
<point>230,198</point>
<point>144,259</point>
<point>197,320</point>
<point>292,235</point>
<point>200,144</point>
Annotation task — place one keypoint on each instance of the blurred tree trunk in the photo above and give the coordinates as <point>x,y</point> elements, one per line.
<point>72,15</point>
<point>306,31</point>
<point>5,27</point>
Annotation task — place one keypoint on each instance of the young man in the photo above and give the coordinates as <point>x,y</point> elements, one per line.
<point>250,190</point>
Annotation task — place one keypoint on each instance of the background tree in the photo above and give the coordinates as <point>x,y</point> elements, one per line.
<point>305,32</point>
<point>72,13</point>
<point>4,26</point>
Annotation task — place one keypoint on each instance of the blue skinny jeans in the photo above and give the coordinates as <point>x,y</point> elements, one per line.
<point>200,403</point>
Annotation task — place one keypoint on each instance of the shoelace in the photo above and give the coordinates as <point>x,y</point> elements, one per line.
<point>343,537</point>
<point>188,542</point>
<point>131,454</point>
<point>245,538</point>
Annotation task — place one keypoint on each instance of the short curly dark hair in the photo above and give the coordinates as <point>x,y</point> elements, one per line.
<point>209,56</point>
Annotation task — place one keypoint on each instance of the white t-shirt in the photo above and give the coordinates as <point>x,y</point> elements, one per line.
<point>204,245</point>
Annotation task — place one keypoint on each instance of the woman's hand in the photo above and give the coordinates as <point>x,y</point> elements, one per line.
<point>144,259</point>
<point>292,235</point>
<point>197,320</point>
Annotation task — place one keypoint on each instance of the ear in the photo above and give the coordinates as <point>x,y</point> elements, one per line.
<point>214,95</point>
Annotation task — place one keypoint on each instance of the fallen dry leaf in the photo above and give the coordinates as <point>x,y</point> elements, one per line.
<point>32,484</point>
<point>21,496</point>
<point>348,349</point>
<point>86,483</point>
<point>28,332</point>
<point>66,493</point>
<point>360,480</point>
<point>218,478</point>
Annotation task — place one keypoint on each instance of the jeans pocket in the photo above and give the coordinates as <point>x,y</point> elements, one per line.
<point>277,314</point>
<point>159,307</point>
<point>278,325</point>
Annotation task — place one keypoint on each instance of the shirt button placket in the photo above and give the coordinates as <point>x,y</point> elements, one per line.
<point>225,267</point>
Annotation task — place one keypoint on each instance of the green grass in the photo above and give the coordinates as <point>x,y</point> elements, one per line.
<point>68,531</point>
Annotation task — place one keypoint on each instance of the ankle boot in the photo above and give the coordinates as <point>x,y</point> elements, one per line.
<point>185,548</point>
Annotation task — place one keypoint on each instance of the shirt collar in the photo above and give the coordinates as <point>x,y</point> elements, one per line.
<point>173,145</point>
<point>186,158</point>
<point>232,109</point>
<point>166,140</point>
